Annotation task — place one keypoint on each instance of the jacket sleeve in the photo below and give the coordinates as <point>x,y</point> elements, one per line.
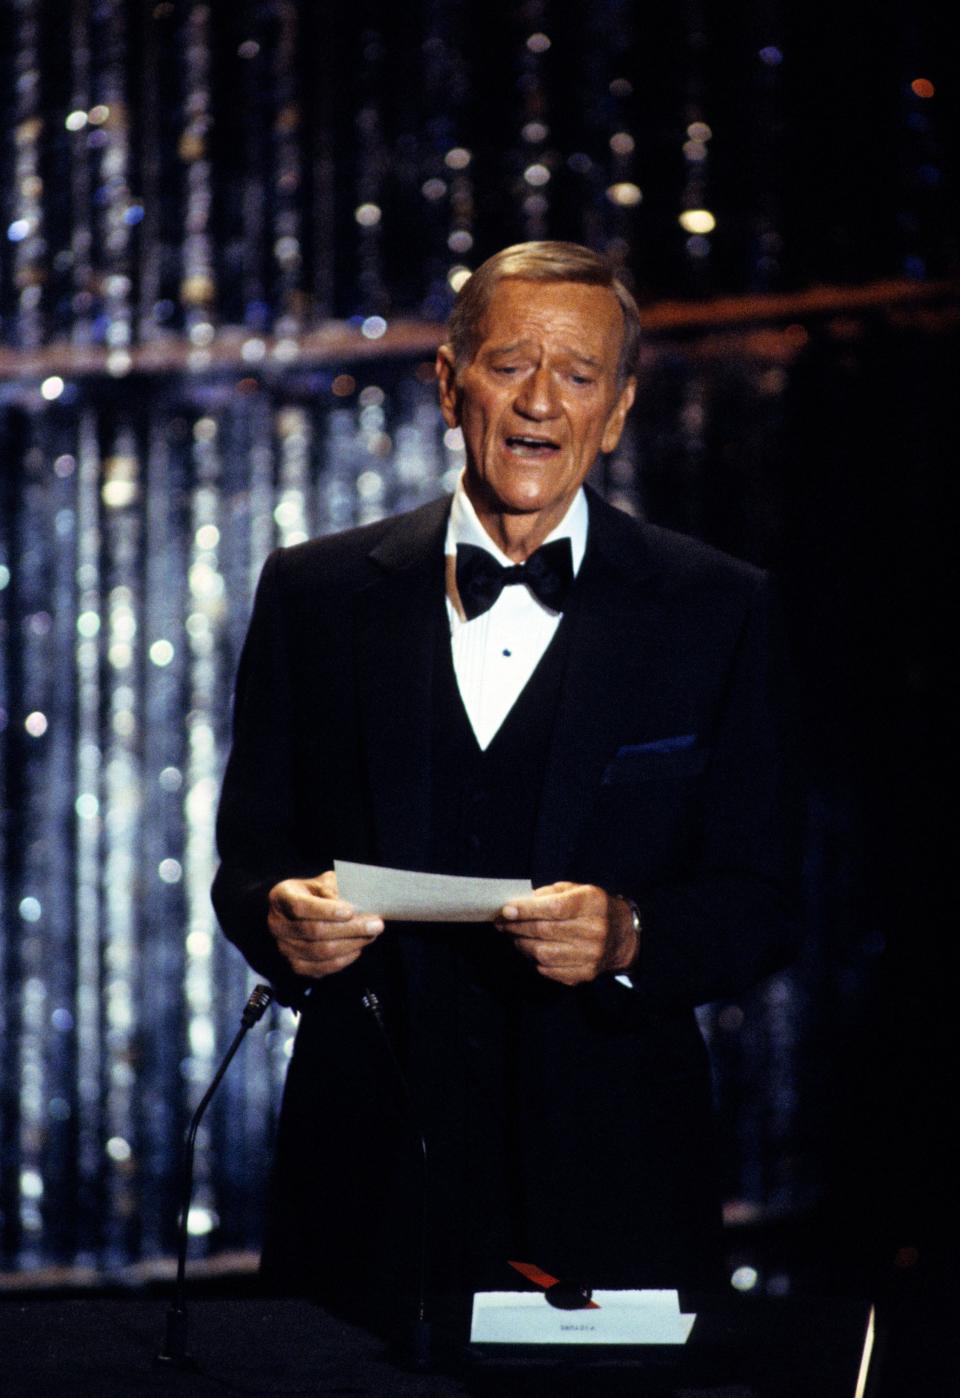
<point>731,917</point>
<point>259,835</point>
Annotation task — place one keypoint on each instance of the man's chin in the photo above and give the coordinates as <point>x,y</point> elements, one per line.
<point>506,507</point>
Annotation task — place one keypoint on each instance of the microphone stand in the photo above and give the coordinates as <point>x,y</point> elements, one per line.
<point>174,1349</point>
<point>421,1336</point>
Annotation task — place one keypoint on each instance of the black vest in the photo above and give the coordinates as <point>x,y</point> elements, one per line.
<point>464,1030</point>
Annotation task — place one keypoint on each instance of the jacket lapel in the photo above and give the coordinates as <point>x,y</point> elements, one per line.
<point>618,634</point>
<point>397,628</point>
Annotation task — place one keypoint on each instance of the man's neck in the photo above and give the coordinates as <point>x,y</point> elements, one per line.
<point>516,535</point>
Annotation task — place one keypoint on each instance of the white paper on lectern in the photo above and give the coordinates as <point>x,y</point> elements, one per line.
<point>403,895</point>
<point>621,1318</point>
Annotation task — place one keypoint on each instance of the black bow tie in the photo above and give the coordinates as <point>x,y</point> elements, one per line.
<point>480,578</point>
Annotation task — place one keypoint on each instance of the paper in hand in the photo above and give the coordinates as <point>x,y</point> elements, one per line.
<point>403,895</point>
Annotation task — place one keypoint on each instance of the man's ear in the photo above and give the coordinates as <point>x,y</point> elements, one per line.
<point>618,415</point>
<point>447,388</point>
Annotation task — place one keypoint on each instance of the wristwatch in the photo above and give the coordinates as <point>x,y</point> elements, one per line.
<point>635,918</point>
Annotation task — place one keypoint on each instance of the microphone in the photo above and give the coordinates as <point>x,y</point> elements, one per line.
<point>174,1349</point>
<point>421,1337</point>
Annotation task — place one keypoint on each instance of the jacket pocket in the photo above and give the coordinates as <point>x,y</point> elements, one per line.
<point>664,760</point>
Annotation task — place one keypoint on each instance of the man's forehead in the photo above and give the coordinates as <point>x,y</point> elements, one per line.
<point>520,308</point>
<point>579,353</point>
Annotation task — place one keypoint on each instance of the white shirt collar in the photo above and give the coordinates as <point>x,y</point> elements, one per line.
<point>464,527</point>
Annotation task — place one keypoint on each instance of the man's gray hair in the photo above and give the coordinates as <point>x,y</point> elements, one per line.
<point>540,262</point>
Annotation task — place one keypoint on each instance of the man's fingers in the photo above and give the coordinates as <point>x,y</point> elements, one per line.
<point>550,953</point>
<point>325,950</point>
<point>538,909</point>
<point>317,932</point>
<point>558,961</point>
<point>295,903</point>
<point>552,929</point>
<point>324,885</point>
<point>314,929</point>
<point>556,902</point>
<point>534,931</point>
<point>314,900</point>
<point>316,966</point>
<point>562,929</point>
<point>571,932</point>
<point>320,949</point>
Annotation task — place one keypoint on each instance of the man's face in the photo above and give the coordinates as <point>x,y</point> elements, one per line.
<point>539,400</point>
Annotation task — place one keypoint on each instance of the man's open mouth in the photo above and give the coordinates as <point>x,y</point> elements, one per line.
<point>532,446</point>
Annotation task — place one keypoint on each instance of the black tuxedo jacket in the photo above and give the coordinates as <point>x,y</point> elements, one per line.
<point>666,781</point>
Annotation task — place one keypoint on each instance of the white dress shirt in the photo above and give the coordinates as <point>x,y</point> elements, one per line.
<point>495,654</point>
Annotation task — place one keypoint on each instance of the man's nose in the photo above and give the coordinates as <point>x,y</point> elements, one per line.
<point>537,395</point>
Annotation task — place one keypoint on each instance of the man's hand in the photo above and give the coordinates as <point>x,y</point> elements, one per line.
<point>316,933</point>
<point>572,932</point>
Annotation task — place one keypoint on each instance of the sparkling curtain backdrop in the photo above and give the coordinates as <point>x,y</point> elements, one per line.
<point>229,235</point>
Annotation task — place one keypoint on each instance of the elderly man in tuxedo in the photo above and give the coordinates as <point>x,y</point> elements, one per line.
<point>520,681</point>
